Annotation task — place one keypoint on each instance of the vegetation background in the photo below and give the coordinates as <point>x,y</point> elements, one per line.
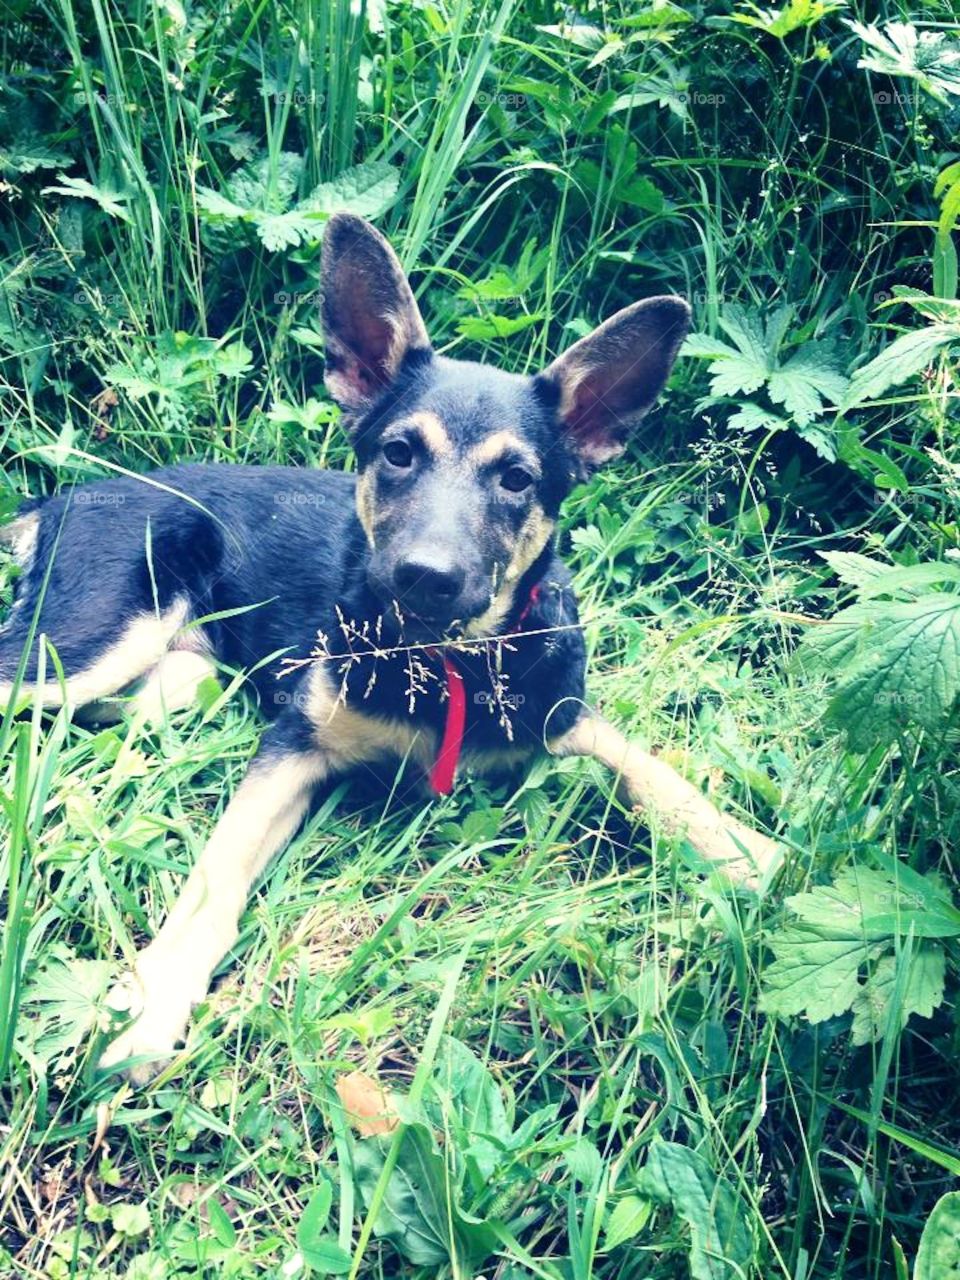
<point>610,1064</point>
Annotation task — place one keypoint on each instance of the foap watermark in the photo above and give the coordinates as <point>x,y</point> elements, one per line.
<point>298,297</point>
<point>904,698</point>
<point>291,698</point>
<point>507,101</point>
<point>512,700</point>
<point>95,498</point>
<point>295,97</point>
<point>298,498</point>
<point>696,98</point>
<point>891,98</point>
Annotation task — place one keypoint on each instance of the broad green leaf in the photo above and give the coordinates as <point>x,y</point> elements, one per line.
<point>629,1217</point>
<point>938,1257</point>
<point>722,1244</point>
<point>903,358</point>
<point>847,931</point>
<point>813,974</point>
<point>466,1101</point>
<point>896,663</point>
<point>922,993</point>
<point>480,328</point>
<point>367,190</point>
<point>853,568</point>
<point>804,384</point>
<point>420,1212</point>
<point>64,1001</point>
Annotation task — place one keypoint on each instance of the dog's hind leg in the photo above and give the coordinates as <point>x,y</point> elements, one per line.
<point>93,678</point>
<point>173,683</point>
<point>654,788</point>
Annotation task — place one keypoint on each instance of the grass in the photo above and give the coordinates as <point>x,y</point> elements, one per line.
<point>535,175</point>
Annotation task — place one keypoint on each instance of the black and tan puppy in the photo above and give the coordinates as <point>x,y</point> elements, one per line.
<point>446,534</point>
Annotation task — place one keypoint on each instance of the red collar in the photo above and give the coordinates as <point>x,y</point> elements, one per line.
<point>451,745</point>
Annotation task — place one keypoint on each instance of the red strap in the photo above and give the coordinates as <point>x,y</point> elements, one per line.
<point>448,757</point>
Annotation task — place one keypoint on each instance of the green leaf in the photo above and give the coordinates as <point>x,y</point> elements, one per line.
<point>628,1219</point>
<point>922,993</point>
<point>928,57</point>
<point>849,928</point>
<point>722,1244</point>
<point>63,1002</point>
<point>420,1212</point>
<point>480,328</point>
<point>903,358</point>
<point>754,417</point>
<point>130,1220</point>
<point>110,201</point>
<point>367,190</point>
<point>938,1257</point>
<point>465,1100</point>
<point>896,663</point>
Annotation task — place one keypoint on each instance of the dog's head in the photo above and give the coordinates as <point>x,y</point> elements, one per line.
<point>463,467</point>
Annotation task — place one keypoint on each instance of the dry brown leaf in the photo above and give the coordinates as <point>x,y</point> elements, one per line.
<point>367,1105</point>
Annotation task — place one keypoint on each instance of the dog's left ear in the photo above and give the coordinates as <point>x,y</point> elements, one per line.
<point>371,321</point>
<point>609,379</point>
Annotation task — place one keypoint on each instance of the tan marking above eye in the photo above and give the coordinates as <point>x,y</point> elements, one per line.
<point>496,446</point>
<point>432,432</point>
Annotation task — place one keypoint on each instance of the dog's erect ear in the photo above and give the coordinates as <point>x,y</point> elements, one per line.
<point>610,378</point>
<point>370,319</point>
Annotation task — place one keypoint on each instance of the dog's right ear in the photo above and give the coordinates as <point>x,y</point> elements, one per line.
<point>370,318</point>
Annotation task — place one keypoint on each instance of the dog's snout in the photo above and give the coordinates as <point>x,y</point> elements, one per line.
<point>428,584</point>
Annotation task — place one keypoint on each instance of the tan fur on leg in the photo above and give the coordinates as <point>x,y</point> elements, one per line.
<point>655,788</point>
<point>173,684</point>
<point>173,973</point>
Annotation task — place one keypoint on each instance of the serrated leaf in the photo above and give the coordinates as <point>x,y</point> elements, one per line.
<point>921,993</point>
<point>896,663</point>
<point>802,385</point>
<point>754,417</point>
<point>813,974</point>
<point>492,326</point>
<point>110,201</point>
<point>848,929</point>
<point>853,568</point>
<point>902,359</point>
<point>722,1245</point>
<point>367,190</point>
<point>737,374</point>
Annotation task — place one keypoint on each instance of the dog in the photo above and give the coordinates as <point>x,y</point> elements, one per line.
<point>419,605</point>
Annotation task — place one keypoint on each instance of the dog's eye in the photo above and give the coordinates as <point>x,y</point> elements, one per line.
<point>515,479</point>
<point>398,453</point>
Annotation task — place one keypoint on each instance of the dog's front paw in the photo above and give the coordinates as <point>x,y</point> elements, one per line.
<point>159,1023</point>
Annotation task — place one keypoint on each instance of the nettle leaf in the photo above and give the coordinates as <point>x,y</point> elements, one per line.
<point>921,993</point>
<point>841,955</point>
<point>902,359</point>
<point>722,1244</point>
<point>896,663</point>
<point>367,190</point>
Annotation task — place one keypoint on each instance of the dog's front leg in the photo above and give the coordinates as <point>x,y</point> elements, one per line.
<point>657,789</point>
<point>173,973</point>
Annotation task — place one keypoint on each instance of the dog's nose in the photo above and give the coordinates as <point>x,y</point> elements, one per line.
<point>428,585</point>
